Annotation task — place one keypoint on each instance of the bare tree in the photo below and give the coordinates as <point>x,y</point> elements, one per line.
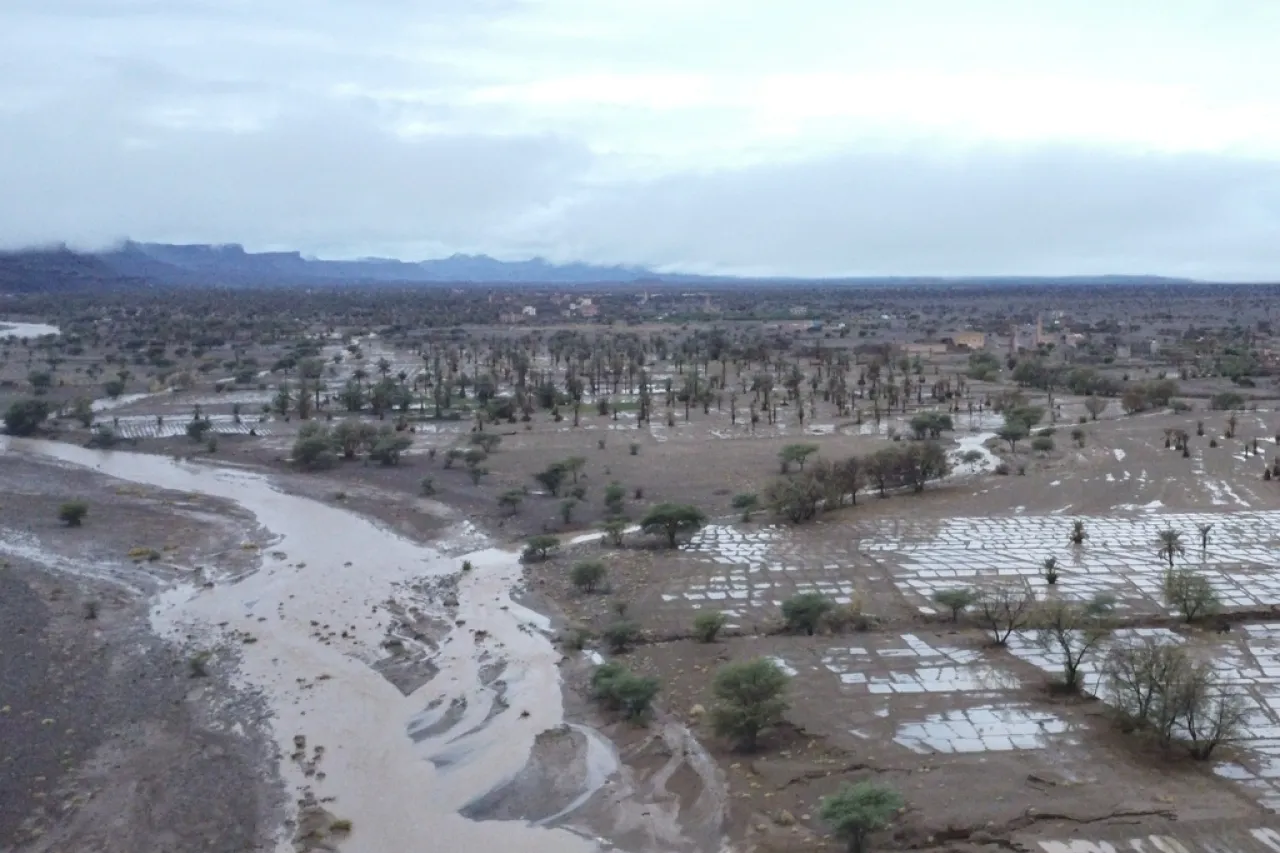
<point>1158,687</point>
<point>1138,676</point>
<point>1073,630</point>
<point>1211,714</point>
<point>1003,609</point>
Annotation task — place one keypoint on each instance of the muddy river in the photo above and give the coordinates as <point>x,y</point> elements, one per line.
<point>331,569</point>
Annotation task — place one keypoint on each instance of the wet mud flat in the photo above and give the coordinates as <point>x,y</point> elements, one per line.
<point>109,741</point>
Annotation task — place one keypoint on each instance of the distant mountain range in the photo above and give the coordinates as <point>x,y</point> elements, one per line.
<point>147,264</point>
<point>231,264</point>
<point>52,270</point>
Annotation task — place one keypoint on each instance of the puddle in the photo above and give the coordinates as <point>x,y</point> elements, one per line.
<point>340,568</point>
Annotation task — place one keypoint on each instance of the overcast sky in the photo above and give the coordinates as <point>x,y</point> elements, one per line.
<point>813,137</point>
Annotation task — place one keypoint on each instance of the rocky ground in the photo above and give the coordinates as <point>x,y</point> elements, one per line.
<point>112,739</point>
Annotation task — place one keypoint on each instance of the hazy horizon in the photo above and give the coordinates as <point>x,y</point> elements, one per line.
<point>825,140</point>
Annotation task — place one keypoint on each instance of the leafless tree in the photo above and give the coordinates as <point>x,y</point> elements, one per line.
<point>1073,630</point>
<point>1003,609</point>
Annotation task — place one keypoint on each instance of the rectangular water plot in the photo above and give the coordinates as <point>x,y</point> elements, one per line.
<point>1120,555</point>
<point>986,728</point>
<point>911,665</point>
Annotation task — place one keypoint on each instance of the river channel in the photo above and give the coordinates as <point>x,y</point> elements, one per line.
<point>338,569</point>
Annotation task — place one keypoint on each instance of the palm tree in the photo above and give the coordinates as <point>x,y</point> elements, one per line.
<point>1077,532</point>
<point>1170,542</point>
<point>1204,537</point>
<point>1050,570</point>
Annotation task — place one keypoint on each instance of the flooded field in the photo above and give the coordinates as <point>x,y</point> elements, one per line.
<point>437,707</point>
<point>21,330</point>
<point>1117,558</point>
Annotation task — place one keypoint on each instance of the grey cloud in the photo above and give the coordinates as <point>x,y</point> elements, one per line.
<point>320,179</point>
<point>1047,210</point>
<point>85,155</point>
<point>216,121</point>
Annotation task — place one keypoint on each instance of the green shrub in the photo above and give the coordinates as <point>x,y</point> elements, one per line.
<point>1191,594</point>
<point>670,520</point>
<point>707,626</point>
<point>539,548</point>
<point>588,575</point>
<point>616,687</point>
<point>197,428</point>
<point>747,502</point>
<point>577,639</point>
<point>72,513</point>
<point>804,611</point>
<point>315,447</point>
<point>856,811</point>
<point>614,495</point>
<point>620,636</point>
<point>24,417</point>
<point>956,600</point>
<point>389,446</point>
<point>749,699</point>
<point>1226,400</point>
<point>566,509</point>
<point>846,617</point>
